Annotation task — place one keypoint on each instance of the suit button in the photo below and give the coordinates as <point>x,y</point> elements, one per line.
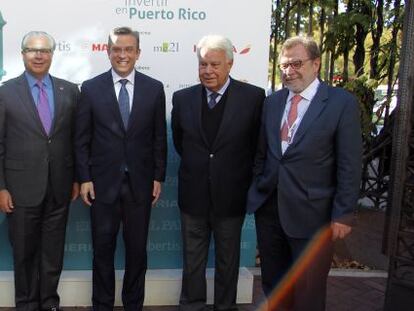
<point>211,155</point>
<point>49,141</point>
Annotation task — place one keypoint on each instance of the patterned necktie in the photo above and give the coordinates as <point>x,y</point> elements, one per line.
<point>292,115</point>
<point>123,100</point>
<point>212,102</point>
<point>43,107</point>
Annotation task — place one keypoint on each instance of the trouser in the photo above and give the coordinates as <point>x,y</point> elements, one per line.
<point>196,233</point>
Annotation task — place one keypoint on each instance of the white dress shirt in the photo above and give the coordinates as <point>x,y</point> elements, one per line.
<point>307,96</point>
<point>129,86</point>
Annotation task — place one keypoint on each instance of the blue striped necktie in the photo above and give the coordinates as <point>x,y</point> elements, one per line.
<point>212,102</point>
<point>123,100</point>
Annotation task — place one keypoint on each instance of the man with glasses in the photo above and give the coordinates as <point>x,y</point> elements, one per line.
<point>307,175</point>
<point>36,171</point>
<point>121,149</point>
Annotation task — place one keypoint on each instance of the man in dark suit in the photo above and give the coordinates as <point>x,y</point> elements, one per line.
<point>215,126</point>
<point>36,171</point>
<point>121,159</point>
<point>307,172</point>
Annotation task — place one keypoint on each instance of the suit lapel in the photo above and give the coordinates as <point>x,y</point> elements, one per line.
<point>58,94</point>
<point>137,102</point>
<point>317,104</point>
<point>26,97</point>
<point>196,110</point>
<point>233,98</point>
<point>276,121</point>
<point>109,96</point>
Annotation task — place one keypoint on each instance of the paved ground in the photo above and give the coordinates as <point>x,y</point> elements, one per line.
<point>344,293</point>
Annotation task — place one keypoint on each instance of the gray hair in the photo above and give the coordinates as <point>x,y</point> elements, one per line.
<point>215,42</point>
<point>308,43</point>
<point>123,31</point>
<point>31,34</point>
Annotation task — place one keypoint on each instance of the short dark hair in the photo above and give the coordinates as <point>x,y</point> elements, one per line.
<point>123,31</point>
<point>308,43</point>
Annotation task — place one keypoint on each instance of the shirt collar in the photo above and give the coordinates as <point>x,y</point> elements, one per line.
<point>116,77</point>
<point>47,81</point>
<point>220,91</point>
<point>307,93</point>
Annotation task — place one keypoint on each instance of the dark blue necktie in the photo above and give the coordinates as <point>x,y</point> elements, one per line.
<point>123,100</point>
<point>212,102</point>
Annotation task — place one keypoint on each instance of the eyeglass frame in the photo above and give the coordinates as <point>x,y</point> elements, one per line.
<point>300,63</point>
<point>34,51</point>
<point>127,50</point>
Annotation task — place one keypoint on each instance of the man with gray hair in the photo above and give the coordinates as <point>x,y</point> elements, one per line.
<point>307,175</point>
<point>215,126</point>
<point>36,171</point>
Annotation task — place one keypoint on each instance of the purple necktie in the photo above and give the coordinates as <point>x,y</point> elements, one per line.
<point>43,107</point>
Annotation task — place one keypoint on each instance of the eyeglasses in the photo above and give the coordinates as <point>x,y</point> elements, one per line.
<point>296,65</point>
<point>127,50</point>
<point>34,51</point>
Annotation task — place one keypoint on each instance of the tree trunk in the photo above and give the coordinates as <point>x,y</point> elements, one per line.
<point>286,19</point>
<point>377,27</point>
<point>298,16</point>
<point>396,26</point>
<point>360,35</point>
<point>276,15</point>
<point>310,26</point>
<point>332,62</point>
<point>347,45</point>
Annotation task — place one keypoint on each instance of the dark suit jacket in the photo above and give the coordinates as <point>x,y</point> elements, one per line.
<point>27,155</point>
<point>104,148</point>
<point>317,178</point>
<point>218,176</point>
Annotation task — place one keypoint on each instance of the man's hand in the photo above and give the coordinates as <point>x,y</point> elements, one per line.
<point>339,231</point>
<point>6,203</point>
<point>75,191</point>
<point>156,191</point>
<point>87,192</point>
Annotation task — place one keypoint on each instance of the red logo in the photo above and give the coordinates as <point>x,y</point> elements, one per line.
<point>244,50</point>
<point>99,47</point>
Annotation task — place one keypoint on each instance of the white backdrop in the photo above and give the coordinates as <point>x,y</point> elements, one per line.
<point>169,31</point>
<point>80,28</point>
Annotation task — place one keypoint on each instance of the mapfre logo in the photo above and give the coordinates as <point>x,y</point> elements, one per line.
<point>99,47</point>
<point>241,51</point>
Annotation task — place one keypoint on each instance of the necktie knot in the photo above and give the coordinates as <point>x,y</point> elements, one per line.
<point>212,102</point>
<point>288,127</point>
<point>296,99</point>
<point>293,112</point>
<point>39,84</point>
<point>123,82</point>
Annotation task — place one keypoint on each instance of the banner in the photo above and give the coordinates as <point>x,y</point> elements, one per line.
<point>169,31</point>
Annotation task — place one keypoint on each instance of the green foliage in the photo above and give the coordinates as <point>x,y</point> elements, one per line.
<point>364,90</point>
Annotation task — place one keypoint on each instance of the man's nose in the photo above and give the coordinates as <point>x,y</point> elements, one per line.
<point>289,70</point>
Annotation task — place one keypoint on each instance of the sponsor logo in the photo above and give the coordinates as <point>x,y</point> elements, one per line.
<point>241,51</point>
<point>167,47</point>
<point>157,10</point>
<point>63,46</point>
